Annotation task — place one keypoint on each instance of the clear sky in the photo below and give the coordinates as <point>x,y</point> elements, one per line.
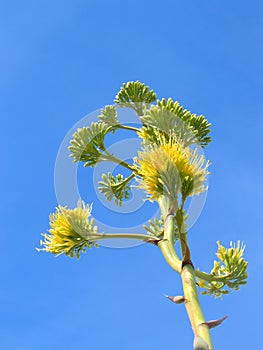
<point>61,60</point>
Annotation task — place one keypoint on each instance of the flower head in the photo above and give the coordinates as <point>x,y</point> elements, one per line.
<point>70,231</point>
<point>170,167</point>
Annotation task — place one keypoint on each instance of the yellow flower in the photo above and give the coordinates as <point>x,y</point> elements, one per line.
<point>70,231</point>
<point>169,167</point>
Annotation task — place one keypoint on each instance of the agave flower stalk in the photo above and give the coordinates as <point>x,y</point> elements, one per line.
<point>170,169</point>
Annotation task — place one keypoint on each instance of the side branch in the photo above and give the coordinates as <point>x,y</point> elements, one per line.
<point>211,278</point>
<point>135,236</point>
<point>127,127</point>
<point>110,157</point>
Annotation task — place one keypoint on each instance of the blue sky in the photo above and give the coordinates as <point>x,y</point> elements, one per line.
<point>62,60</point>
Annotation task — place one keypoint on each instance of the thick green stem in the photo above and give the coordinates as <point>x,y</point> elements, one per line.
<point>192,305</point>
<point>166,244</point>
<point>185,269</point>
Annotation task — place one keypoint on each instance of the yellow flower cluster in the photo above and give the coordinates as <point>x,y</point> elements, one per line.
<point>70,231</point>
<point>169,167</point>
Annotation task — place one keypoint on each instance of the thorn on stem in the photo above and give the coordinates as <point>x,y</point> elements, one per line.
<point>214,323</point>
<point>177,299</point>
<point>153,241</point>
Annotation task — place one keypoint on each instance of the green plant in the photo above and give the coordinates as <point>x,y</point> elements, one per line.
<point>169,168</point>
